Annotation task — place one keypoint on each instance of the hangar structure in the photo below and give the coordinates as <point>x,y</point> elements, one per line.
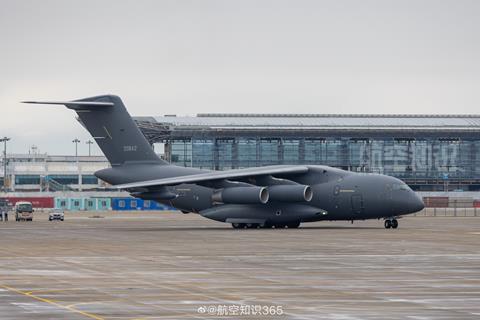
<point>429,152</point>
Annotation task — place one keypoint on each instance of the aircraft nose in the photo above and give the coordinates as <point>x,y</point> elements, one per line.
<point>415,203</point>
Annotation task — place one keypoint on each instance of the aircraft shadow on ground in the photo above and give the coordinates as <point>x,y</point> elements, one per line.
<point>244,230</point>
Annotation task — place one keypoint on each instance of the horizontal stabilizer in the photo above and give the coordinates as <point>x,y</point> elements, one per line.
<point>74,103</point>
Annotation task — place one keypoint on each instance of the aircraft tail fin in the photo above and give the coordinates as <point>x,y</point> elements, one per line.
<point>108,121</point>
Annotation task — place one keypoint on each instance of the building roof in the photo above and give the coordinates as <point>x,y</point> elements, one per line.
<point>317,121</point>
<point>157,129</point>
<point>44,157</point>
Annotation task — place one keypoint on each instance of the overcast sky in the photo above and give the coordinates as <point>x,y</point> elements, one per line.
<point>190,57</point>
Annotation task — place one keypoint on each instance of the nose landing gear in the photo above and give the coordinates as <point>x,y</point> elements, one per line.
<point>391,223</point>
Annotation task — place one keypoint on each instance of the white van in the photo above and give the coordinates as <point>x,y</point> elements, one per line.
<point>23,211</point>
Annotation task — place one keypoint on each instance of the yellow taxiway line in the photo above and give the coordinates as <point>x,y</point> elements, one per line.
<point>51,302</point>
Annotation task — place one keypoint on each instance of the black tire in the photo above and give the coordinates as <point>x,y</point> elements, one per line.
<point>394,224</point>
<point>238,225</point>
<point>388,224</point>
<point>49,219</point>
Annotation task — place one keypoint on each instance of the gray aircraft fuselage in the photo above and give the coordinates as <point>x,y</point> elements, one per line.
<point>337,195</point>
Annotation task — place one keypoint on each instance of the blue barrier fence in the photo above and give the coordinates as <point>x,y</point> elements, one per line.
<point>122,204</point>
<point>102,204</point>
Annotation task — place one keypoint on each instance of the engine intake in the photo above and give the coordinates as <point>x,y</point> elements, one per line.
<point>242,195</point>
<point>290,193</point>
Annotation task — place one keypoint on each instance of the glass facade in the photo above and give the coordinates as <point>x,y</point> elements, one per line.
<point>64,179</point>
<point>89,179</point>
<point>27,179</point>
<point>426,162</point>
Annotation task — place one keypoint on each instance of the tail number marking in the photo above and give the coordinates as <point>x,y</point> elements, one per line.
<point>129,148</point>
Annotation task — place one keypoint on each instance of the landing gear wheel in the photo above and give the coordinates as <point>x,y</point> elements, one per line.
<point>293,225</point>
<point>394,223</point>
<point>238,225</point>
<point>388,224</point>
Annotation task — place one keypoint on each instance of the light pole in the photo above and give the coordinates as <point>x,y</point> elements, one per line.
<point>4,140</point>
<point>34,152</point>
<point>89,142</point>
<point>77,141</point>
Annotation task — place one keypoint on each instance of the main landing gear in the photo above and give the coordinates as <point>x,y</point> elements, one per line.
<point>391,223</point>
<point>291,225</point>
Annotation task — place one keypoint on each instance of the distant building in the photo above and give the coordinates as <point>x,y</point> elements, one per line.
<point>429,152</point>
<point>42,172</point>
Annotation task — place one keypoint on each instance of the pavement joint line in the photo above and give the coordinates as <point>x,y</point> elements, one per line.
<point>46,291</point>
<point>52,302</point>
<point>89,302</point>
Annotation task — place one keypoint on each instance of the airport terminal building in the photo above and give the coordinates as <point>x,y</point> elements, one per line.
<point>429,152</point>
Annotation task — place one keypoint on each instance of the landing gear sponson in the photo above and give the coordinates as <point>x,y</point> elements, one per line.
<point>290,225</point>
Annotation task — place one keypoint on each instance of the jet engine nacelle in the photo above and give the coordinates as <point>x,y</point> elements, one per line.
<point>241,195</point>
<point>290,193</point>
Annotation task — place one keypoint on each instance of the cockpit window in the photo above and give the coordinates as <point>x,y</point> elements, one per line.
<point>400,186</point>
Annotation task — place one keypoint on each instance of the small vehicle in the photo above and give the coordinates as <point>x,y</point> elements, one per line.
<point>56,214</point>
<point>23,211</point>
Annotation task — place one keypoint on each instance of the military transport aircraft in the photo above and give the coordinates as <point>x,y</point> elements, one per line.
<point>270,197</point>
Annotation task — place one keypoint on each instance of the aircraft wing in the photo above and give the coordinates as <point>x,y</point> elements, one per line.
<point>217,175</point>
